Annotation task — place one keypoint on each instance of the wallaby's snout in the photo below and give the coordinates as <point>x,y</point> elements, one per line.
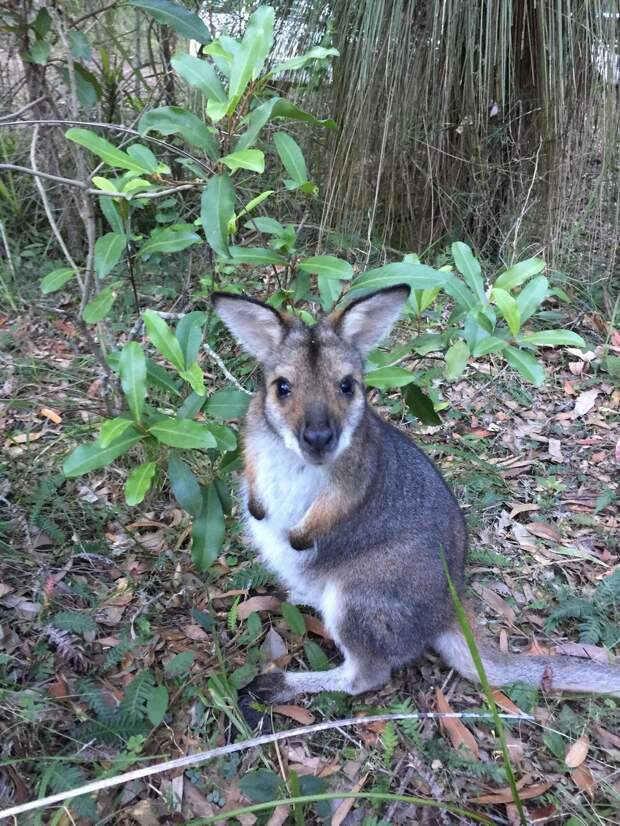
<point>319,433</point>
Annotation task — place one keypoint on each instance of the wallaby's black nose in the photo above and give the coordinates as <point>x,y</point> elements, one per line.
<point>318,437</point>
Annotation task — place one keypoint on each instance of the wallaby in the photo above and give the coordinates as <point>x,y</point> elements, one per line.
<point>352,516</point>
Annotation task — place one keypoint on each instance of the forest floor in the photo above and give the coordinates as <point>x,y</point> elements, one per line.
<point>115,652</point>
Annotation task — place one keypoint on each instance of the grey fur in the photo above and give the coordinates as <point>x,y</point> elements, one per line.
<point>381,555</point>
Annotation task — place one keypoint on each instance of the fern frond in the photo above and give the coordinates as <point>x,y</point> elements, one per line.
<point>253,575</point>
<point>67,646</point>
<point>73,621</point>
<point>389,741</point>
<point>137,695</point>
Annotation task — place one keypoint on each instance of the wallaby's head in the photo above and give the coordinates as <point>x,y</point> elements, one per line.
<point>313,394</point>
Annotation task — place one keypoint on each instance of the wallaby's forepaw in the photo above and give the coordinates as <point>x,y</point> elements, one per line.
<point>300,540</point>
<point>255,509</point>
<point>270,687</point>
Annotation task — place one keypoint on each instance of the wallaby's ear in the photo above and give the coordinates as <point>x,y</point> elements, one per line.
<point>257,327</point>
<point>365,322</point>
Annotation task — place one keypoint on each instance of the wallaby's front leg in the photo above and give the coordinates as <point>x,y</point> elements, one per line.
<point>320,517</point>
<point>255,506</point>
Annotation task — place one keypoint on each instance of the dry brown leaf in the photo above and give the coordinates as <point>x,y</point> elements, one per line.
<point>59,689</point>
<point>505,795</point>
<point>544,531</point>
<point>555,450</point>
<point>523,507</point>
<point>196,802</point>
<point>297,713</point>
<point>583,778</point>
<point>279,816</point>
<point>273,646</point>
<point>51,414</point>
<point>345,807</point>
<point>606,738</point>
<point>266,603</point>
<point>144,814</point>
<point>315,626</point>
<point>459,734</point>
<point>584,403</point>
<point>497,603</point>
<point>26,438</point>
<point>505,703</point>
<point>577,752</point>
<point>195,632</point>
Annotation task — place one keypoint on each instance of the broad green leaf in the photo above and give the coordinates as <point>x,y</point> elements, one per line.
<point>262,223</point>
<point>216,110</point>
<point>42,23</point>
<point>258,256</point>
<point>457,357</point>
<point>132,370</point>
<point>157,705</point>
<point>168,239</point>
<point>217,208</point>
<point>104,149</point>
<point>163,339</point>
<point>184,485</point>
<point>316,53</point>
<point>329,290</point>
<point>201,75</point>
<point>291,156</point>
<point>261,786</point>
<point>525,364</point>
<point>183,434</point>
<point>111,213</point>
<point>192,405</point>
<point>275,107</point>
<point>223,435</point>
<point>105,185</point>
<point>100,305</point>
<point>56,279</point>
<point>112,428</point>
<point>87,87</point>
<point>490,344</point>
<point>417,276</point>
<point>387,377</point>
<point>552,338</point>
<point>316,657</point>
<point>420,405</point>
<point>208,530</point>
<point>294,618</point>
<point>250,57</point>
<point>508,308</point>
<point>180,664</point>
<point>143,155</point>
<point>156,376</point>
<point>173,120</point>
<point>256,202</point>
<point>182,20</point>
<point>532,296</point>
<point>519,273</point>
<point>252,159</point>
<point>108,251</point>
<point>243,675</point>
<point>227,404</point>
<point>139,482</point>
<point>136,185</point>
<point>469,267</point>
<point>194,376</point>
<point>189,335</point>
<point>455,288</point>
<point>79,45</point>
<point>93,456</point>
<point>40,53</point>
<point>327,265</point>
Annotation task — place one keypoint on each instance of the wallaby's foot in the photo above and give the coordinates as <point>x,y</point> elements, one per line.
<point>352,677</point>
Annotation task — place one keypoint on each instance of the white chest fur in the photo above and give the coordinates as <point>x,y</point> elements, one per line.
<point>286,487</point>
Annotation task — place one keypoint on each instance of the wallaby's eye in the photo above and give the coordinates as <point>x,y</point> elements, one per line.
<point>347,385</point>
<point>283,387</point>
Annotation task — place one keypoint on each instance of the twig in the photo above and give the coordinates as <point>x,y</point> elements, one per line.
<point>23,109</point>
<point>218,360</point>
<point>231,748</point>
<point>47,208</point>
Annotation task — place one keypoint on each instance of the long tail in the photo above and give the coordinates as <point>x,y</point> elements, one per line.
<point>559,673</point>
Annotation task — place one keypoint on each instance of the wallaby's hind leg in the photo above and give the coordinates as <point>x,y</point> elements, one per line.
<point>354,676</point>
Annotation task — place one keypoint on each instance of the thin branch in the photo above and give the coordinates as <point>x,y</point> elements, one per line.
<point>220,363</point>
<point>47,208</point>
<point>23,109</point>
<point>231,748</point>
<point>38,174</point>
